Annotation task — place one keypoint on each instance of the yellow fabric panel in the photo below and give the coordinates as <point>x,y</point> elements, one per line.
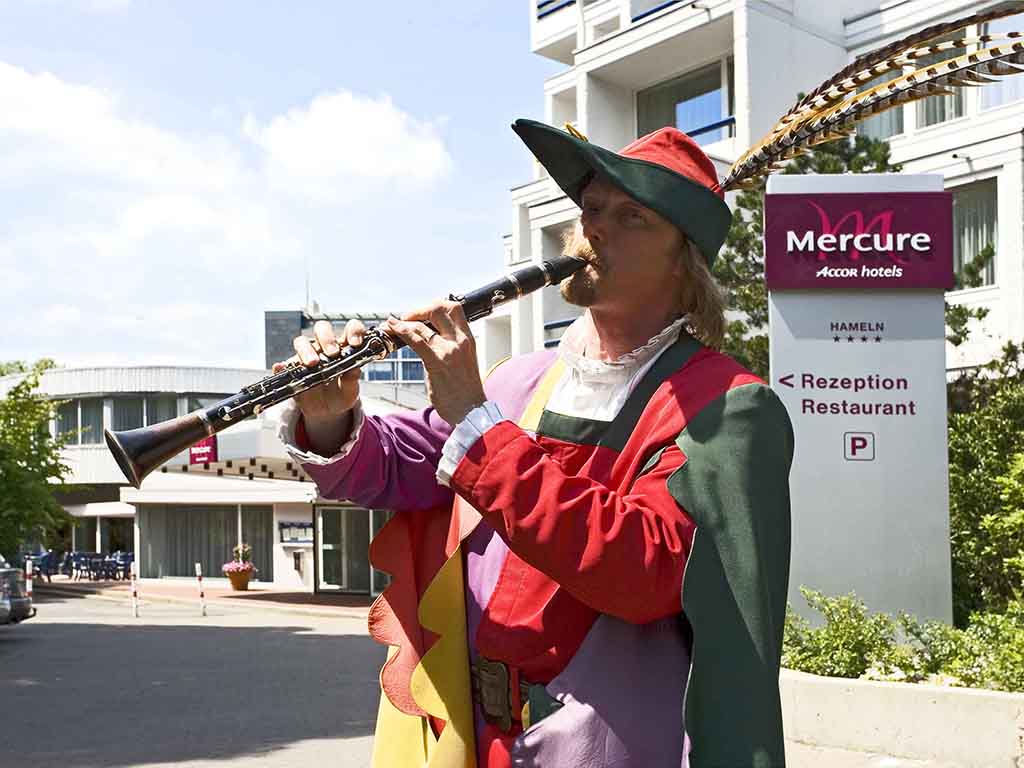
<point>531,416</point>
<point>400,739</point>
<point>440,683</point>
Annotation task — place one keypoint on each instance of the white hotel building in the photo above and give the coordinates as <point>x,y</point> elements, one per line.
<point>724,71</point>
<point>191,510</point>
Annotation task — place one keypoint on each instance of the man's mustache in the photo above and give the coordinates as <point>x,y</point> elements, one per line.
<point>581,248</point>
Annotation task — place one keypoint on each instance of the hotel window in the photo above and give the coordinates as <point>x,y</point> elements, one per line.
<point>160,409</point>
<point>1009,87</point>
<point>412,366</point>
<point>938,109</point>
<point>195,402</point>
<point>383,370</point>
<point>402,366</point>
<point>67,421</point>
<point>127,413</point>
<point>691,102</point>
<point>887,124</point>
<point>92,421</point>
<point>975,224</point>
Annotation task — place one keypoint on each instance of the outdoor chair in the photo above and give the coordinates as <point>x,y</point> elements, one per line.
<point>79,565</point>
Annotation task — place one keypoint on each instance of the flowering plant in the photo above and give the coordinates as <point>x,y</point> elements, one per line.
<point>237,566</point>
<point>242,562</point>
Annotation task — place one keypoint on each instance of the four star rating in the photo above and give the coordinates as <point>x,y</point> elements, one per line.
<point>853,339</point>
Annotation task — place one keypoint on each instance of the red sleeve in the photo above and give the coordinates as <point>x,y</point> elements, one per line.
<point>620,553</point>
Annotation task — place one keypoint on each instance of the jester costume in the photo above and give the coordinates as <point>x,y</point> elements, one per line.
<point>582,592</point>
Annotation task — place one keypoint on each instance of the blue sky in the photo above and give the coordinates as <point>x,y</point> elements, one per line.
<point>168,169</point>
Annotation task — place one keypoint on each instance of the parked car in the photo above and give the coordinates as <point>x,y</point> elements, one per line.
<point>13,596</point>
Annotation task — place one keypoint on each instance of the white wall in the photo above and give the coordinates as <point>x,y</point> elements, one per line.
<point>777,55</point>
<point>285,575</point>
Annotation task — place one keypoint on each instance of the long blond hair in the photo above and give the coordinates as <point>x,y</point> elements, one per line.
<point>702,300</point>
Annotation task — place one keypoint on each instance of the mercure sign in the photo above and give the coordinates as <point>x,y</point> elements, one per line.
<point>894,240</point>
<point>856,269</point>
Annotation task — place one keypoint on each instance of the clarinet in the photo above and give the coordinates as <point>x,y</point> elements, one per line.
<point>139,451</point>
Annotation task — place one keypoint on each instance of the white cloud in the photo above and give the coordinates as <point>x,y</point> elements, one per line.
<point>149,243</point>
<point>52,126</point>
<point>342,138</point>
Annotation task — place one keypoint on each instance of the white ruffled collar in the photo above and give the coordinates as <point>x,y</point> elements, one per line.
<point>571,350</point>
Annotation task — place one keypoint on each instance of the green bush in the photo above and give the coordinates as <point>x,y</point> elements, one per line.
<point>851,643</point>
<point>986,503</point>
<point>847,645</point>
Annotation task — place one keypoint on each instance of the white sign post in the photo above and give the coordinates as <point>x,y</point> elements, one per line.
<point>135,590</point>
<point>856,268</point>
<point>202,595</point>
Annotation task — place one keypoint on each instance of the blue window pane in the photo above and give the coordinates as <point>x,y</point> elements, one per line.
<point>689,102</point>
<point>412,371</point>
<point>380,371</point>
<point>698,111</point>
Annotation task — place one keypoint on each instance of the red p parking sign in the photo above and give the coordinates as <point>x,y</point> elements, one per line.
<point>859,446</point>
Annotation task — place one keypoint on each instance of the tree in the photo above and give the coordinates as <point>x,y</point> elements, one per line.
<point>31,468</point>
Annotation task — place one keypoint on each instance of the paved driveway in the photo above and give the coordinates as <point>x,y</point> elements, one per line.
<point>84,684</point>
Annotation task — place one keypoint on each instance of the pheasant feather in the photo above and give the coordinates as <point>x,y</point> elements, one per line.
<point>879,56</point>
<point>835,107</point>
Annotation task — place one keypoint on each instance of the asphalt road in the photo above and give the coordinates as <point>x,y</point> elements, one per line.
<point>84,684</point>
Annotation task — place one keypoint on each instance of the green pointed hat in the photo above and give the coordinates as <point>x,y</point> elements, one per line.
<point>665,171</point>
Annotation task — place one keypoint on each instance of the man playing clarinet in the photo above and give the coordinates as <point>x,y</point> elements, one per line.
<point>590,552</point>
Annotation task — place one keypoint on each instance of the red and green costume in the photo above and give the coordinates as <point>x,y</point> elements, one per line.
<point>628,577</point>
<point>595,558</point>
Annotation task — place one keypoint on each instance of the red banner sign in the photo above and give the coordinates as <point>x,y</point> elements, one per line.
<point>885,241</point>
<point>203,452</point>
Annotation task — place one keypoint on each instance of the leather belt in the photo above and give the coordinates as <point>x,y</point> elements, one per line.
<point>499,691</point>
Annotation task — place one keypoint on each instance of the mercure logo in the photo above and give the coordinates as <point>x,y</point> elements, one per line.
<point>851,238</point>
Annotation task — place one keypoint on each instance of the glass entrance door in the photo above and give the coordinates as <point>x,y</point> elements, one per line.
<point>343,558</point>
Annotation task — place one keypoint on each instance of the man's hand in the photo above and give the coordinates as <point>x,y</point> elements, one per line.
<point>448,354</point>
<point>326,409</point>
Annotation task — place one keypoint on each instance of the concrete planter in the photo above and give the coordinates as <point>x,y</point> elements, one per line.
<point>964,726</point>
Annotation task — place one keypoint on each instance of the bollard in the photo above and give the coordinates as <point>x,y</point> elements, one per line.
<point>202,597</point>
<point>28,577</point>
<point>135,592</point>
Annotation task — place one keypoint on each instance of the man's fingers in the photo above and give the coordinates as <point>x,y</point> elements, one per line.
<point>323,332</point>
<point>355,331</point>
<point>304,351</point>
<point>440,315</point>
<point>457,316</point>
<point>416,334</point>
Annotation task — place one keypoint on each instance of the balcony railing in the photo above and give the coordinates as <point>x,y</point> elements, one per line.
<point>554,325</point>
<point>718,124</point>
<point>655,9</point>
<point>547,7</point>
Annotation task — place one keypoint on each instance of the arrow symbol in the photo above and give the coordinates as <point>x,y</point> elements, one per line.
<point>787,380</point>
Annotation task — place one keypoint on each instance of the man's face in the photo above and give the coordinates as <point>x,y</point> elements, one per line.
<point>634,253</point>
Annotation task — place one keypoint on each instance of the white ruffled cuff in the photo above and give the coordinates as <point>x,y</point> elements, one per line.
<point>466,432</point>
<point>286,434</point>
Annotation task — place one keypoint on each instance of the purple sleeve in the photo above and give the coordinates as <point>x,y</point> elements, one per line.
<point>391,466</point>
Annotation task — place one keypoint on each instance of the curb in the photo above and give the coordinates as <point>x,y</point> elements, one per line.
<point>340,613</point>
<point>911,720</point>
